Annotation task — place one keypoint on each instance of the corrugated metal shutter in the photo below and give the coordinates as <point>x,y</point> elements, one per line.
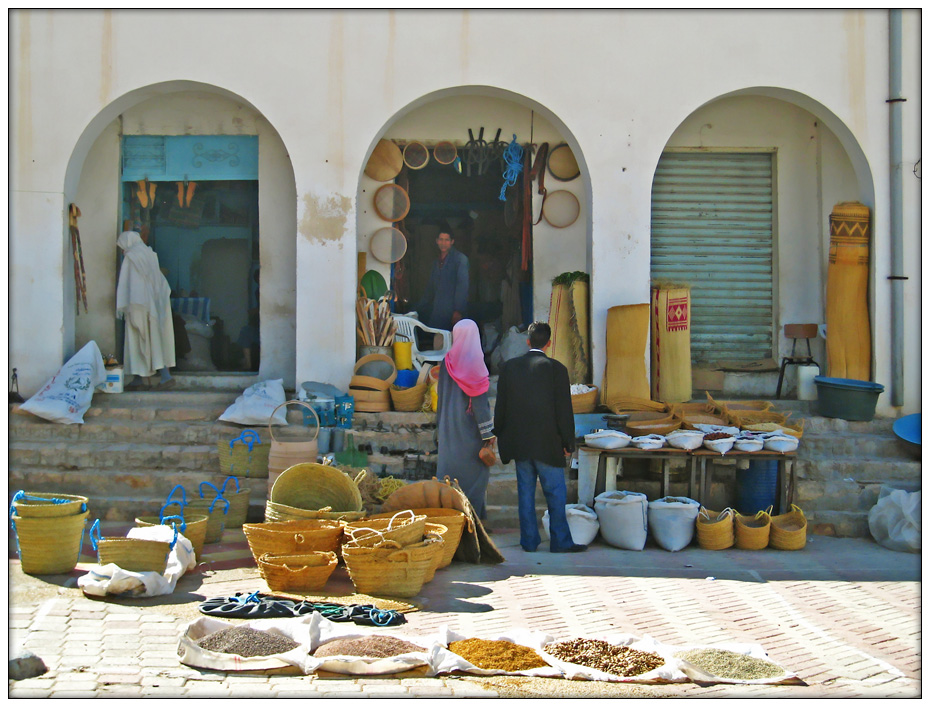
<point>712,228</point>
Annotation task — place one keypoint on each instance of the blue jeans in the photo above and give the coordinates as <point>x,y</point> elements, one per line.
<point>552,480</point>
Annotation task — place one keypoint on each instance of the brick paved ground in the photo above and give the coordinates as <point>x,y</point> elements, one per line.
<point>844,614</point>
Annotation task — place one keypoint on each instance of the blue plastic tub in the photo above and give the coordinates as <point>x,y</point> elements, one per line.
<point>757,486</point>
<point>406,378</point>
<point>847,398</point>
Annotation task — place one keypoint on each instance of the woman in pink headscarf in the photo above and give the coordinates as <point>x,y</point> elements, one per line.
<point>463,416</point>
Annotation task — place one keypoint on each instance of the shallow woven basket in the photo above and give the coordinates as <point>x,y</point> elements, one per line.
<point>408,399</point>
<point>295,573</point>
<point>134,554</point>
<point>741,418</point>
<point>795,430</point>
<point>195,530</point>
<point>390,570</point>
<point>661,424</point>
<point>43,505</point>
<point>451,518</point>
<point>584,403</point>
<point>404,528</point>
<point>789,530</point>
<point>293,537</point>
<point>690,420</point>
<point>50,545</point>
<point>216,522</point>
<point>714,529</point>
<point>278,512</point>
<point>752,532</point>
<point>314,486</point>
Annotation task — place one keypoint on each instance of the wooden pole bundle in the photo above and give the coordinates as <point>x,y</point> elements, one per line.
<point>375,322</point>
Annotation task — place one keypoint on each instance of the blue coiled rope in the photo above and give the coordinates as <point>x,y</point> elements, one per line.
<point>513,157</point>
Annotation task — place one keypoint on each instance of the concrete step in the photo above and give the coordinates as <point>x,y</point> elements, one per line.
<point>95,456</point>
<point>871,469</point>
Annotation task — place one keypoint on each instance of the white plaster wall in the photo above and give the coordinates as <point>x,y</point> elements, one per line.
<point>619,82</point>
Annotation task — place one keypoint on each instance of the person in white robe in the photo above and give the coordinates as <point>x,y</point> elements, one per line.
<point>143,302</point>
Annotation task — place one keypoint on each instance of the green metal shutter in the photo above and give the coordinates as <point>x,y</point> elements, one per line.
<point>712,228</point>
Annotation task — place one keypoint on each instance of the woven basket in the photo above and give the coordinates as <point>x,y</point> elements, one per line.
<point>408,399</point>
<point>741,418</point>
<point>789,530</point>
<point>28,504</point>
<point>752,532</point>
<point>651,423</point>
<point>279,513</point>
<point>435,530</point>
<point>389,570</point>
<point>246,455</point>
<point>49,545</point>
<point>216,522</point>
<point>295,573</point>
<point>294,537</point>
<point>315,486</point>
<point>238,503</point>
<point>743,405</point>
<point>795,430</point>
<point>404,528</point>
<point>584,403</point>
<point>715,530</point>
<point>195,528</point>
<point>621,404</point>
<point>451,518</point>
<point>134,554</point>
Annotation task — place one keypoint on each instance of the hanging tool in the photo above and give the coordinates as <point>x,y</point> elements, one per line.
<point>80,276</point>
<point>538,169</point>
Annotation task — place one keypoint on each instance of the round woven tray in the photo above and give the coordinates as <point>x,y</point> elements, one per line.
<point>295,573</point>
<point>49,545</point>
<point>312,486</point>
<point>278,512</point>
<point>293,537</point>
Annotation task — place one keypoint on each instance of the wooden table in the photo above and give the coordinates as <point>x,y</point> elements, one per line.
<point>785,481</point>
<point>589,460</point>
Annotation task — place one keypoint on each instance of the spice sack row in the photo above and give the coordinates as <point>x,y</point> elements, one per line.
<point>313,643</point>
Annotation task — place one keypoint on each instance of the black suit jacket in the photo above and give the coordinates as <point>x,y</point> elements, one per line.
<point>533,417</point>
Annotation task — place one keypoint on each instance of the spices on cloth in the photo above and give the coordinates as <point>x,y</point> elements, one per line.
<point>247,642</point>
<point>497,655</point>
<point>601,655</point>
<point>729,664</point>
<point>368,647</point>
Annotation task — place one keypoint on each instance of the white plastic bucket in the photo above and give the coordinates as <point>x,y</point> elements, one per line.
<point>114,381</point>
<point>623,518</point>
<point>807,389</point>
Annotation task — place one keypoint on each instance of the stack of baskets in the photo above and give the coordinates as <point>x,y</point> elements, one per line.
<point>297,555</point>
<point>453,520</point>
<point>310,490</point>
<point>49,530</point>
<point>370,385</point>
<point>393,556</point>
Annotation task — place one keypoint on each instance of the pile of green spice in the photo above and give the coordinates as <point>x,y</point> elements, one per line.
<point>497,655</point>
<point>368,647</point>
<point>601,655</point>
<point>247,642</point>
<point>728,664</point>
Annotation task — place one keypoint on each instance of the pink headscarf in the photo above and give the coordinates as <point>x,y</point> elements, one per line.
<point>465,360</point>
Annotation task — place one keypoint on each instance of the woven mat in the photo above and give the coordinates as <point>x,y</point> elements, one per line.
<point>349,599</point>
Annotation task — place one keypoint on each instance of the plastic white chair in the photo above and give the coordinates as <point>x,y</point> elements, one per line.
<point>406,328</point>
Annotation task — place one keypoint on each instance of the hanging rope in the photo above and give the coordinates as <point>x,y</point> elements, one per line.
<point>513,158</point>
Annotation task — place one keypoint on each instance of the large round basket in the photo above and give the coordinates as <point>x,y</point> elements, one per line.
<point>789,530</point>
<point>408,399</point>
<point>752,532</point>
<point>134,554</point>
<point>404,528</point>
<point>451,518</point>
<point>195,528</point>
<point>314,486</point>
<point>293,537</point>
<point>715,530</point>
<point>296,573</point>
<point>49,545</point>
<point>28,504</point>
<point>279,512</point>
<point>584,403</point>
<point>388,570</point>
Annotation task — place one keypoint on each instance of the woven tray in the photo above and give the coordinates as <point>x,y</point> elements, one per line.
<point>293,573</point>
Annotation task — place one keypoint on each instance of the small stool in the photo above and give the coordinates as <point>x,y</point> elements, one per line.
<point>795,332</point>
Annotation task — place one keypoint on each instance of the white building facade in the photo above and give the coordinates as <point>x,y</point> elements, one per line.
<point>319,89</point>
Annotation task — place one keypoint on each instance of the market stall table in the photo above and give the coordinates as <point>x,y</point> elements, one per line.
<point>785,482</point>
<point>589,461</point>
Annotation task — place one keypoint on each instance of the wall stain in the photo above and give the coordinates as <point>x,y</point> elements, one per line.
<point>325,218</point>
<point>106,57</point>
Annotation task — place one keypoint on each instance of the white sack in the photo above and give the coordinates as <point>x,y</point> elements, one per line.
<point>67,395</point>
<point>257,403</point>
<point>443,660</point>
<point>894,521</point>
<point>582,523</point>
<point>751,649</point>
<point>623,517</point>
<point>671,521</point>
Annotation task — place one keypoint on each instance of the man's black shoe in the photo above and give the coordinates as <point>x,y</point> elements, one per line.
<point>526,549</point>
<point>573,548</point>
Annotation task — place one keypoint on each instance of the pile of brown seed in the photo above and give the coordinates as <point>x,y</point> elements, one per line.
<point>728,664</point>
<point>497,655</point>
<point>247,642</point>
<point>600,655</point>
<point>368,647</point>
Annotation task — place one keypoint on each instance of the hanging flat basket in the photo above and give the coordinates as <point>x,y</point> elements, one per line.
<point>392,202</point>
<point>561,209</point>
<point>416,156</point>
<point>388,245</point>
<point>562,164</point>
<point>445,152</point>
<point>385,162</point>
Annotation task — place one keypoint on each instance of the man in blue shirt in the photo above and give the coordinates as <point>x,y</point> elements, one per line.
<point>446,297</point>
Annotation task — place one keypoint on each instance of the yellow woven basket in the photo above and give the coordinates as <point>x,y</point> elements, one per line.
<point>789,530</point>
<point>408,399</point>
<point>647,423</point>
<point>314,486</point>
<point>584,402</point>
<point>297,573</point>
<point>451,518</point>
<point>752,532</point>
<point>195,528</point>
<point>277,513</point>
<point>29,504</point>
<point>715,530</point>
<point>246,456</point>
<point>389,570</point>
<point>131,554</point>
<point>49,545</point>
<point>238,502</point>
<point>404,528</point>
<point>435,530</point>
<point>742,418</point>
<point>294,537</point>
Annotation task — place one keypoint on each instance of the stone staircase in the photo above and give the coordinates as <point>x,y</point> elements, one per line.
<point>133,448</point>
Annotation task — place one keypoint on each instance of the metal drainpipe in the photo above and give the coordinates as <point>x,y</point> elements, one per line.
<point>897,232</point>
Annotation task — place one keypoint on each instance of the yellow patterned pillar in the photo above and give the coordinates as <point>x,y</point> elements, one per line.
<point>849,334</point>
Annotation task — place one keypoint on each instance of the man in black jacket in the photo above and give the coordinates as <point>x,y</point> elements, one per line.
<point>534,425</point>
